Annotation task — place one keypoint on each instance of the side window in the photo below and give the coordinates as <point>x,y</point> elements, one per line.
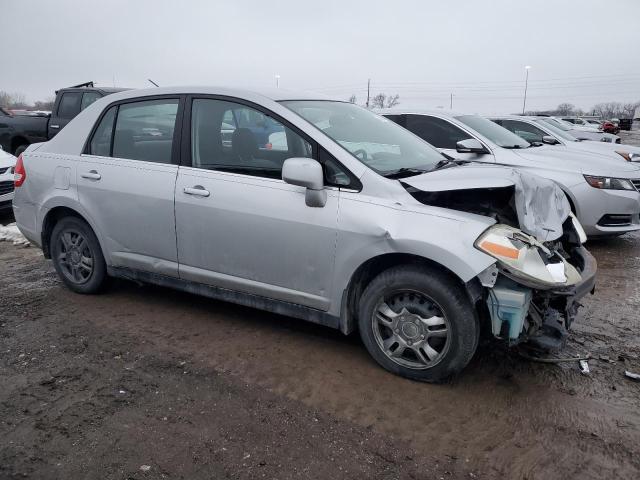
<point>69,105</point>
<point>144,130</point>
<point>101,140</point>
<point>88,98</point>
<point>399,119</point>
<point>524,130</point>
<point>437,132</point>
<point>233,137</point>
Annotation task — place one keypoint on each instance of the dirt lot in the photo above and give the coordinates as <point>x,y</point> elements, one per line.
<point>143,382</point>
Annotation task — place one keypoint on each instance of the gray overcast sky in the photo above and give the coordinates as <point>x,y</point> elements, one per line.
<point>581,51</point>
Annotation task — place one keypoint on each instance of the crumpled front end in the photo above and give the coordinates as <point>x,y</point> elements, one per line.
<point>532,292</point>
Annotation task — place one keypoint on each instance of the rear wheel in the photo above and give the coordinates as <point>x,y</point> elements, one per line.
<point>77,256</point>
<point>419,323</point>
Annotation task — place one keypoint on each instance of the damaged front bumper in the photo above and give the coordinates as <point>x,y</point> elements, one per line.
<point>539,316</point>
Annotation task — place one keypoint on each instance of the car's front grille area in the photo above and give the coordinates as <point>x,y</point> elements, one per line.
<point>636,183</point>
<point>6,187</point>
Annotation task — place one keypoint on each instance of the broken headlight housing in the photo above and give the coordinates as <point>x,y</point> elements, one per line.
<point>525,259</point>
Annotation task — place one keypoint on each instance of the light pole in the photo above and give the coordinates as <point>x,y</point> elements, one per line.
<point>526,84</point>
<point>277,81</point>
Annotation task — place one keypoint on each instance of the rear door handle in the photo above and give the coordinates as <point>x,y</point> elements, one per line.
<point>54,126</point>
<point>91,175</point>
<point>198,191</point>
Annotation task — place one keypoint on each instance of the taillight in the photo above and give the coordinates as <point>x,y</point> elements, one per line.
<point>19,173</point>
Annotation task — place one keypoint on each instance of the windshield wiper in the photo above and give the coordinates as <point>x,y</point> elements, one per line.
<point>449,162</point>
<point>404,172</point>
<point>513,147</point>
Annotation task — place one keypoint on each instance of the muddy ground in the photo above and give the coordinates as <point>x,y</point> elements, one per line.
<point>143,382</point>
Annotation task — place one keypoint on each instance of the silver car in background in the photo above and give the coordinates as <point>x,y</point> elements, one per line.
<point>535,130</point>
<point>317,209</point>
<point>580,132</point>
<point>603,191</point>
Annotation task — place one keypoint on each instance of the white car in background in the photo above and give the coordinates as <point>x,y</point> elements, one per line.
<point>604,193</point>
<point>7,164</point>
<point>580,132</point>
<point>536,130</point>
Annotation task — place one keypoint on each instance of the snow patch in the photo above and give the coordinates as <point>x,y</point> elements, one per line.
<point>10,233</point>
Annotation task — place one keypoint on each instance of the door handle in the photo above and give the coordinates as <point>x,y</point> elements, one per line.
<point>198,191</point>
<point>91,175</point>
<point>54,126</point>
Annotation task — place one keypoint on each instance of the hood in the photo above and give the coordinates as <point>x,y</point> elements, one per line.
<point>605,148</point>
<point>535,205</point>
<point>590,163</point>
<point>6,159</point>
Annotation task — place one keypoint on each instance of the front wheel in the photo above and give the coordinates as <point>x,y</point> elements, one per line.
<point>77,256</point>
<point>418,323</point>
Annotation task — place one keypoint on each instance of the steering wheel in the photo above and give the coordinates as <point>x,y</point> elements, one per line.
<point>363,152</point>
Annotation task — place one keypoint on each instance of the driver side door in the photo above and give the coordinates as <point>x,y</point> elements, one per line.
<point>239,226</point>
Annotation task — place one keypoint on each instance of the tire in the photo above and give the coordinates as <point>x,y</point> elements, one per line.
<point>77,256</point>
<point>430,328</point>
<point>19,150</point>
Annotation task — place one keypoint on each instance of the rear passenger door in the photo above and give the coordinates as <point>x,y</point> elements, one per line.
<point>239,226</point>
<point>126,181</point>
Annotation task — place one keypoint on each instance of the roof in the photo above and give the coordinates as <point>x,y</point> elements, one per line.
<point>420,111</point>
<point>275,94</point>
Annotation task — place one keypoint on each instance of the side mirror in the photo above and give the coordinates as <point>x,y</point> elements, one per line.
<point>306,172</point>
<point>549,140</point>
<point>470,145</point>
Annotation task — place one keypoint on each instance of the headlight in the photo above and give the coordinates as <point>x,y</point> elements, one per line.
<point>629,157</point>
<point>609,183</point>
<point>525,259</point>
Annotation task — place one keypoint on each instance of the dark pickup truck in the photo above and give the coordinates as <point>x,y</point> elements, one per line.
<point>17,132</point>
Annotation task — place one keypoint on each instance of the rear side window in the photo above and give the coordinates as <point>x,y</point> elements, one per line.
<point>144,130</point>
<point>438,132</point>
<point>88,98</point>
<point>101,140</point>
<point>69,105</point>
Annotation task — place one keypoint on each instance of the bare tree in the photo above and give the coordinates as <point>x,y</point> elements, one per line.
<point>565,109</point>
<point>378,100</point>
<point>392,101</point>
<point>12,100</point>
<point>352,99</point>
<point>383,100</point>
<point>629,109</point>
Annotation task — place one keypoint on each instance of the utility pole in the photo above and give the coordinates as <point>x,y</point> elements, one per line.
<point>451,102</point>
<point>277,81</point>
<point>368,91</point>
<point>526,84</point>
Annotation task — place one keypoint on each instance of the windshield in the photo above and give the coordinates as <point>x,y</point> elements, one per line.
<point>375,141</point>
<point>556,131</point>
<point>564,126</point>
<point>494,132</point>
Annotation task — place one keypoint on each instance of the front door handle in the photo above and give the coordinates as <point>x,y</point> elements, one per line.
<point>55,126</point>
<point>91,175</point>
<point>198,191</point>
